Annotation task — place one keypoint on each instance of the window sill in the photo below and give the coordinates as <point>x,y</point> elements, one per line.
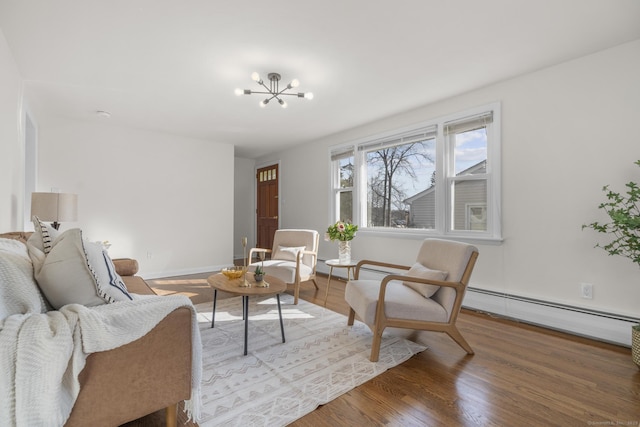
<point>417,234</point>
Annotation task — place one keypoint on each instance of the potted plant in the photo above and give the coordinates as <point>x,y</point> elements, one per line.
<point>624,227</point>
<point>258,274</point>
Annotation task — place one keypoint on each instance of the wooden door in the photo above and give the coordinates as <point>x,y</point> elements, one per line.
<point>267,210</point>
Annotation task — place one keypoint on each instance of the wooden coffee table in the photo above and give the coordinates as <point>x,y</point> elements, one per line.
<point>219,282</point>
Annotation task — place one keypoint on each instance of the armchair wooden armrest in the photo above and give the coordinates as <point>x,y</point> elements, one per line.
<point>379,264</point>
<point>257,250</point>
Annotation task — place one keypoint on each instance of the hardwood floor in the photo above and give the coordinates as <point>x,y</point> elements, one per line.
<point>521,375</point>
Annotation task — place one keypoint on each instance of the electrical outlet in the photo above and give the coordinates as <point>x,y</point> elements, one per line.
<point>586,290</point>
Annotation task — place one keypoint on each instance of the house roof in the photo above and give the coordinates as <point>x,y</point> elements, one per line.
<point>468,171</point>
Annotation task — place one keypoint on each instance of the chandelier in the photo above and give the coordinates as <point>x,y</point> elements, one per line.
<point>273,90</point>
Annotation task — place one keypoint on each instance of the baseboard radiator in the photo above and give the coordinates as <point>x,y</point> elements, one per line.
<point>598,325</point>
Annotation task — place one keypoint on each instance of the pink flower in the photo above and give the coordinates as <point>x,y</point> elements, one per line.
<point>341,227</point>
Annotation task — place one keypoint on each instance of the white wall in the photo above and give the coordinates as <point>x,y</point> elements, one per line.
<point>11,142</point>
<point>162,199</point>
<point>244,205</point>
<point>566,131</point>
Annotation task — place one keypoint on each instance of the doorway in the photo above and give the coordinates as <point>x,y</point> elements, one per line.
<point>267,205</point>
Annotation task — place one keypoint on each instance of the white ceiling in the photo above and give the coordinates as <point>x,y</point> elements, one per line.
<point>172,66</point>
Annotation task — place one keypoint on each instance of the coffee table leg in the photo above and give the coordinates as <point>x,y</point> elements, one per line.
<point>280,314</point>
<point>215,298</point>
<point>245,309</point>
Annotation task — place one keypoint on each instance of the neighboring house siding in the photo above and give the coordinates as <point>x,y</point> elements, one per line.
<point>423,211</point>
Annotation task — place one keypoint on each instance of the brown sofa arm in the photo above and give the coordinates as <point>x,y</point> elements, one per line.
<point>21,236</point>
<point>126,266</point>
<point>144,376</point>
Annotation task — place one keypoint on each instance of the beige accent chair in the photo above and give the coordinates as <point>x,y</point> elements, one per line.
<point>293,258</point>
<point>428,297</point>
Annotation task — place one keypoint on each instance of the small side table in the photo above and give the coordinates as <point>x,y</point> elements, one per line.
<point>336,263</point>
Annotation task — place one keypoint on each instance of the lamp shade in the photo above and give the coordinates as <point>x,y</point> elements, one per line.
<point>55,207</point>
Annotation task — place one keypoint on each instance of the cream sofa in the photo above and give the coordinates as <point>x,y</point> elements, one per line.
<point>146,375</point>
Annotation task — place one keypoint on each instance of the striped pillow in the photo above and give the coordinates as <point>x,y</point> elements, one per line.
<point>79,272</point>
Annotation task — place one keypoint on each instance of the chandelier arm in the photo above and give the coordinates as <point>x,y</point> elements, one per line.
<point>273,95</point>
<point>261,83</point>
<point>262,93</point>
<point>276,94</point>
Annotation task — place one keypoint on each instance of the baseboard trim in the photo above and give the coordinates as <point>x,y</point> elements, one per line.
<point>181,272</point>
<point>603,326</point>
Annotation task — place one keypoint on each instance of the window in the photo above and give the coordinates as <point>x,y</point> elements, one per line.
<point>394,169</point>
<point>436,178</point>
<point>467,179</point>
<point>343,177</point>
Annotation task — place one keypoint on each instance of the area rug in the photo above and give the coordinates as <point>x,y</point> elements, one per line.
<point>277,383</point>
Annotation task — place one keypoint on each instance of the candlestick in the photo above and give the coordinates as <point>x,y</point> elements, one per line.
<point>244,263</point>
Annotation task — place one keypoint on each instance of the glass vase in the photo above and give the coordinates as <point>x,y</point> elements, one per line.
<point>344,252</point>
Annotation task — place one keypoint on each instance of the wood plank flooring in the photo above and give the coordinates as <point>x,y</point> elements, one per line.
<point>521,375</point>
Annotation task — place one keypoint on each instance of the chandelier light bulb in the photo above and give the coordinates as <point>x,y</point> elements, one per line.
<point>255,76</point>
<point>283,103</point>
<point>239,92</point>
<point>295,83</point>
<point>264,103</point>
<point>308,95</point>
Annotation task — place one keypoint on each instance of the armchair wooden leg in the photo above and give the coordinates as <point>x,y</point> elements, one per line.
<point>314,283</point>
<point>459,339</point>
<point>352,315</point>
<point>296,293</point>
<point>172,415</point>
<point>375,346</point>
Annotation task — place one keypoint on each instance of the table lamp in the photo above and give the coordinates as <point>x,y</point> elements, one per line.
<point>54,207</point>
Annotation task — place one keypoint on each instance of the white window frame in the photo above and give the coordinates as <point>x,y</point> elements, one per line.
<point>445,176</point>
<point>335,183</point>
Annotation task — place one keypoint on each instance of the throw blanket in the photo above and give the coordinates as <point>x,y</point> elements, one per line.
<point>42,354</point>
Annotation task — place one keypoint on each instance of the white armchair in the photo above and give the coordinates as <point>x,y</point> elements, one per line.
<point>428,297</point>
<point>293,258</point>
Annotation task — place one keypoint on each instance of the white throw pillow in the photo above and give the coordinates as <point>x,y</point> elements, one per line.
<point>79,272</point>
<point>419,270</point>
<point>288,253</point>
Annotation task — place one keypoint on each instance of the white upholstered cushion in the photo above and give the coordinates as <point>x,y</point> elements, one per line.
<point>446,255</point>
<point>400,302</point>
<point>81,272</point>
<point>419,270</point>
<point>283,270</point>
